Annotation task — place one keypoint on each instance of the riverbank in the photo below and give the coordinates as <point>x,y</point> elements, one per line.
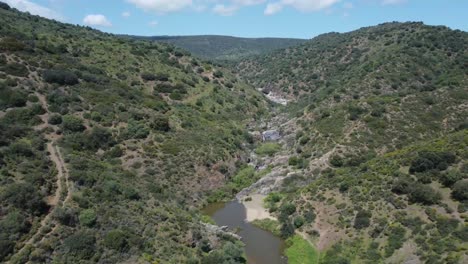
<point>254,209</point>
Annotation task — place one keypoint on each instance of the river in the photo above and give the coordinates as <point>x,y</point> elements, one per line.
<point>261,247</point>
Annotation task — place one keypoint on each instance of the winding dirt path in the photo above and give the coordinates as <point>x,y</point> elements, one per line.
<point>63,182</point>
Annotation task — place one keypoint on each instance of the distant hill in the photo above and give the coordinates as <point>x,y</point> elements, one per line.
<point>226,47</point>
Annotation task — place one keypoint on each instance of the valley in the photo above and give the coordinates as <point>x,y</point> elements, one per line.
<point>346,148</point>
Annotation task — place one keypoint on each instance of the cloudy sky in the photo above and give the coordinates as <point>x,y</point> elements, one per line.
<point>248,18</point>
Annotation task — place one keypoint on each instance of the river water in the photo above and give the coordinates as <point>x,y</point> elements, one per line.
<point>261,247</point>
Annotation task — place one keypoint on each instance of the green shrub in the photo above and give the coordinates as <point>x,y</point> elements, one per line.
<point>62,77</point>
<point>72,124</point>
<point>268,149</point>
<point>362,219</point>
<point>460,190</point>
<point>428,160</point>
<point>425,194</point>
<point>16,69</point>
<point>88,217</point>
<point>116,239</point>
<point>80,245</point>
<point>55,119</point>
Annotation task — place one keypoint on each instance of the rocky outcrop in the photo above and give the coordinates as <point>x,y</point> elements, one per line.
<point>220,230</point>
<point>271,135</point>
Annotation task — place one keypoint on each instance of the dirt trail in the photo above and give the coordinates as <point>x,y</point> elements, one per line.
<point>63,183</point>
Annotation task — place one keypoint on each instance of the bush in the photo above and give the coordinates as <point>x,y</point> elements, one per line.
<point>286,230</point>
<point>72,124</point>
<point>148,76</point>
<point>268,149</point>
<point>460,190</point>
<point>449,178</point>
<point>428,160</point>
<point>116,239</point>
<point>362,219</point>
<point>55,119</point>
<point>23,196</point>
<point>88,217</point>
<point>80,245</point>
<point>218,74</point>
<point>62,77</point>
<point>425,194</point>
<point>16,69</point>
<point>299,221</point>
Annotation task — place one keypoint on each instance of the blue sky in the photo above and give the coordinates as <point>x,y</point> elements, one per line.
<point>245,18</point>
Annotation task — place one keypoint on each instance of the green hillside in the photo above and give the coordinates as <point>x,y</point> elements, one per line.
<point>111,145</point>
<point>379,162</point>
<point>226,47</point>
<point>108,145</point>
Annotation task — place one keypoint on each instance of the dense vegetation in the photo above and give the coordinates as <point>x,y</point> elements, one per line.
<point>380,149</point>
<point>108,146</point>
<point>227,48</point>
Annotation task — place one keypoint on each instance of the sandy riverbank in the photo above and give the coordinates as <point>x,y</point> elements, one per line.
<point>254,208</point>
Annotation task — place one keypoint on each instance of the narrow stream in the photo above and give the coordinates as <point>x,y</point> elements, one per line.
<point>261,247</point>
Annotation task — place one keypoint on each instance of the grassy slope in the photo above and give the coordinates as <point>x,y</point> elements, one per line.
<point>369,103</point>
<point>141,153</point>
<point>301,251</point>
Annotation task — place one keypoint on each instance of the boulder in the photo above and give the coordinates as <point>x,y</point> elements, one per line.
<point>271,135</point>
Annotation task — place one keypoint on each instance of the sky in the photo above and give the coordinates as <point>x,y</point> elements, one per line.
<point>245,18</point>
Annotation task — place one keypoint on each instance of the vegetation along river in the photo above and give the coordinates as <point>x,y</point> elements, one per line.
<point>261,247</point>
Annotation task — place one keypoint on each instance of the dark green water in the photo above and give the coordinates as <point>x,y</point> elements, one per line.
<point>261,247</point>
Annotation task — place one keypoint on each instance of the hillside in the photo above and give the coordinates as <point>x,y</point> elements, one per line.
<point>225,47</point>
<point>375,143</point>
<point>109,145</point>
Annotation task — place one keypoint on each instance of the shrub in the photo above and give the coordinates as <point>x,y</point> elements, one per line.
<point>362,219</point>
<point>449,178</point>
<point>299,221</point>
<point>23,196</point>
<point>80,245</point>
<point>460,190</point>
<point>286,230</point>
<point>218,74</point>
<point>88,217</point>
<point>148,76</point>
<point>268,149</point>
<point>425,194</point>
<point>72,124</point>
<point>16,69</point>
<point>55,119</point>
<point>116,239</point>
<point>428,160</point>
<point>62,77</point>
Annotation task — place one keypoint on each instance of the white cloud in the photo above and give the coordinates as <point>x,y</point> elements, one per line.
<point>153,23</point>
<point>126,14</point>
<point>225,10</point>
<point>35,9</point>
<point>392,2</point>
<point>161,6</point>
<point>300,5</point>
<point>273,8</point>
<point>97,20</point>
